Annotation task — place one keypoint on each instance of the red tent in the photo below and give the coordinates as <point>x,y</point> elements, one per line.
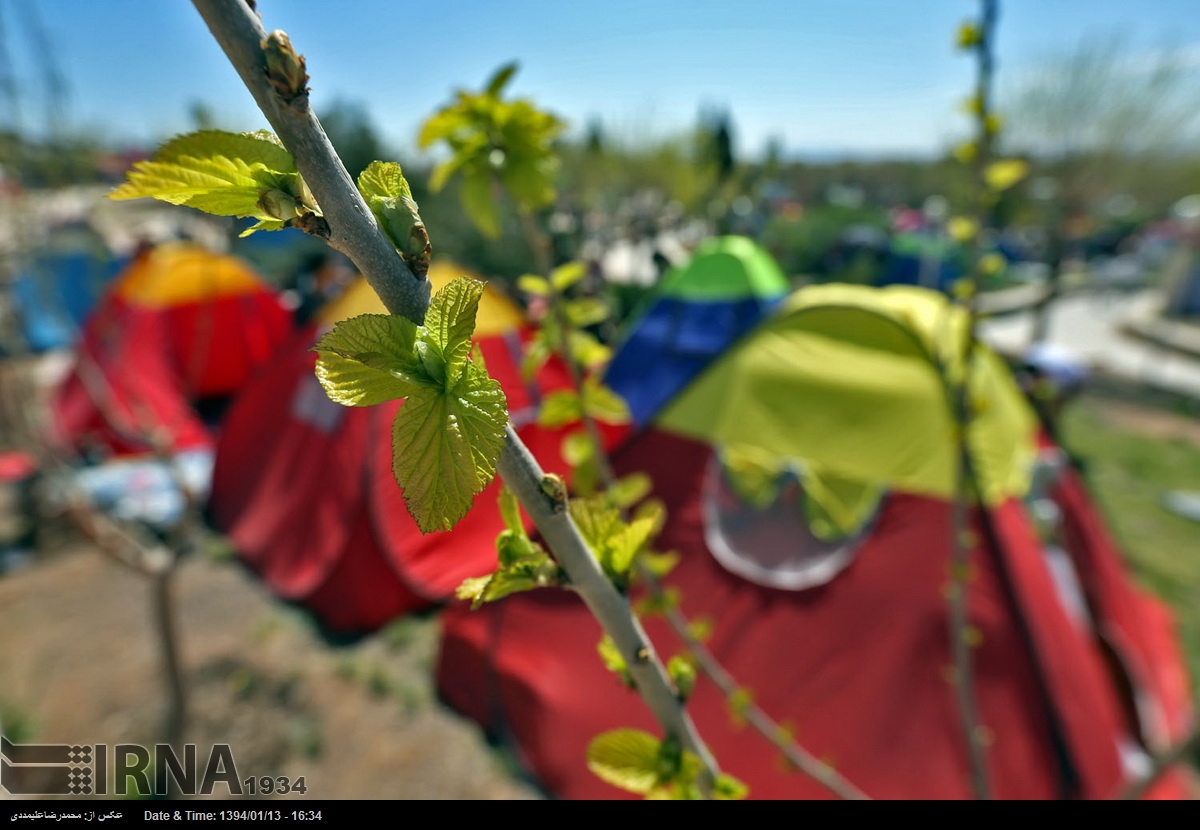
<point>179,326</point>
<point>304,488</point>
<point>1077,673</point>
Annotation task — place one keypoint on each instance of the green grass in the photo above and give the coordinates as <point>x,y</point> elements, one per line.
<point>1129,474</point>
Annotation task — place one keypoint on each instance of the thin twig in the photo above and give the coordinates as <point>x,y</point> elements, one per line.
<point>960,645</point>
<point>352,227</point>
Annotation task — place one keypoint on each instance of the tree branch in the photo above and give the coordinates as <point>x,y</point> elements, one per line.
<point>354,231</point>
<point>352,227</point>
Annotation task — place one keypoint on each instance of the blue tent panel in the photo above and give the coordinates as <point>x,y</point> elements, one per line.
<point>672,344</point>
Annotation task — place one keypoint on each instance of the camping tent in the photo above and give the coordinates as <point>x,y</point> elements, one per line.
<point>696,312</point>
<point>56,292</point>
<point>304,488</point>
<point>180,328</point>
<point>808,476</point>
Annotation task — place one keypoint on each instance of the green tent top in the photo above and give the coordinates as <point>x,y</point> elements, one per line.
<point>852,381</point>
<point>725,268</point>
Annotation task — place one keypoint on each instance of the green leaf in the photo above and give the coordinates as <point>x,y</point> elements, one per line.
<point>625,758</point>
<point>739,702</point>
<point>533,284</point>
<point>613,661</point>
<point>1004,173</point>
<point>631,489</point>
<point>586,311</point>
<point>496,85</point>
<point>624,545</point>
<point>387,194</point>
<point>597,522</point>
<point>613,542</point>
<point>369,359</point>
<point>263,225</point>
<point>478,202</point>
<point>472,588</point>
<point>659,603</point>
<point>660,564</point>
<point>441,125</point>
<point>513,546</point>
<point>683,675</point>
<point>560,408</point>
<point>446,170</point>
<point>577,448</point>
<point>587,351</point>
<point>536,355</point>
<point>567,274</point>
<point>529,181</point>
<point>383,180</point>
<point>250,148</point>
<point>603,404</point>
<point>728,788</point>
<point>229,186</point>
<point>445,446</point>
<point>449,322</point>
<point>505,583</point>
<point>226,174</point>
<point>510,511</point>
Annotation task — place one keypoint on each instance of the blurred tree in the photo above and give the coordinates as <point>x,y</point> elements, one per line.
<point>201,115</point>
<point>353,135</point>
<point>1106,121</point>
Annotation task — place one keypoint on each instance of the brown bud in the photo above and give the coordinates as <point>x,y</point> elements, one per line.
<point>285,69</point>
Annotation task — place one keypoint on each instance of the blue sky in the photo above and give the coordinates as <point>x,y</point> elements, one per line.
<point>862,76</point>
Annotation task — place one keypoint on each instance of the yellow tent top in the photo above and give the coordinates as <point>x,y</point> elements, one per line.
<point>497,314</point>
<point>850,380</point>
<point>178,273</point>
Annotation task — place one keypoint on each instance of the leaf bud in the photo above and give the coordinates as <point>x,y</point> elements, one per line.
<point>285,69</point>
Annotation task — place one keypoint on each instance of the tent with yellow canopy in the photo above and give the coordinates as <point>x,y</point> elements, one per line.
<point>808,475</point>
<point>180,327</point>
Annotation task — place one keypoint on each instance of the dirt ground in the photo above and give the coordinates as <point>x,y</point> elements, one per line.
<point>78,664</point>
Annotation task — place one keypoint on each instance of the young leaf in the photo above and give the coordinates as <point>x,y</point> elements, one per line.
<point>480,207</point>
<point>624,545</point>
<point>728,788</point>
<point>227,187</point>
<point>387,194</point>
<point>613,661</point>
<point>586,311</point>
<point>587,351</point>
<point>535,358</point>
<point>533,284</point>
<point>445,446</point>
<point>739,703</point>
<point>626,758</point>
<point>603,404</point>
<point>368,360</point>
<point>472,588</point>
<point>683,675</point>
<point>560,408</point>
<point>496,85</point>
<point>577,448</point>
<point>449,323</point>
<point>628,491</point>
<point>566,275</point>
<point>226,174</point>
<point>251,148</point>
<point>1003,174</point>
<point>510,511</point>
